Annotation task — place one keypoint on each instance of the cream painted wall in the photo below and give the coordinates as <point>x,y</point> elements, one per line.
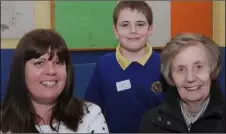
<point>42,20</point>
<point>219,22</point>
<point>161,23</point>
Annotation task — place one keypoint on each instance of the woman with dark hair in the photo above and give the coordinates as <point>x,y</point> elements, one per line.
<point>39,94</point>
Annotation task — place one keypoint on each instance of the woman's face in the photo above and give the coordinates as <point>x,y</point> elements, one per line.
<point>45,78</point>
<point>191,73</point>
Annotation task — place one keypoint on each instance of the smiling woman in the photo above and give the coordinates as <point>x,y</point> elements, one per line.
<point>39,94</point>
<point>190,63</point>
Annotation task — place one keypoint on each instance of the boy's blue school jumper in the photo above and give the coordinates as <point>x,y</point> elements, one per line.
<point>124,95</point>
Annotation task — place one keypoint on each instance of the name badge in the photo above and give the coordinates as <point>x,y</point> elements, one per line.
<point>123,85</point>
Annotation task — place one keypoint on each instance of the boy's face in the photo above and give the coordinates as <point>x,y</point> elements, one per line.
<point>132,30</point>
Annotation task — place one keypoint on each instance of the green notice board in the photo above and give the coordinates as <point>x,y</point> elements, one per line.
<point>85,24</point>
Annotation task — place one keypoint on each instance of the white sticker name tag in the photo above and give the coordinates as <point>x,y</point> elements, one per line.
<point>123,85</point>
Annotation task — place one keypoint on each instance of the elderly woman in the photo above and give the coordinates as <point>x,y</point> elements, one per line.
<point>39,94</point>
<point>190,63</point>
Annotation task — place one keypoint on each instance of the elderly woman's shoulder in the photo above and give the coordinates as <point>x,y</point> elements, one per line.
<point>148,118</point>
<point>152,114</point>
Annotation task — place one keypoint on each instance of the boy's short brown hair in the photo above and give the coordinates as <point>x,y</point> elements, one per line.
<point>141,6</point>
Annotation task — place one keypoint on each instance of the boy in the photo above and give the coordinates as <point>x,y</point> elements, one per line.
<point>126,83</point>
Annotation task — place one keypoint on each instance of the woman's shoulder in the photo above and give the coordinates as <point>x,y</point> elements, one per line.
<point>91,108</point>
<point>93,120</point>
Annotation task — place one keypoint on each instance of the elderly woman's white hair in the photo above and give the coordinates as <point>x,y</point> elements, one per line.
<point>184,40</point>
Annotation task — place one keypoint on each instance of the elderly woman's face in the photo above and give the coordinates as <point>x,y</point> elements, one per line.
<point>191,73</point>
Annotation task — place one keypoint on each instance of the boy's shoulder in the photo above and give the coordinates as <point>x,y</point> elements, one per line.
<point>154,59</point>
<point>107,58</point>
<point>112,56</point>
<point>155,55</point>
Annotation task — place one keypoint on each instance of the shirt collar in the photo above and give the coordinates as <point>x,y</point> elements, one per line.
<point>124,63</point>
